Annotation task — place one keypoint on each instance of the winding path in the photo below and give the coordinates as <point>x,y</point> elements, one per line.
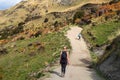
<point>79,60</point>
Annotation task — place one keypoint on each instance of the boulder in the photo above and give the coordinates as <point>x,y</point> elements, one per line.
<point>64,2</point>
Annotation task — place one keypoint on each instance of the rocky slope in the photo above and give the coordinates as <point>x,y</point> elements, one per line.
<point>110,66</point>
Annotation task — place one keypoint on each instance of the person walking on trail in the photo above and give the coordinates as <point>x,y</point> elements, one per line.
<point>79,36</point>
<point>64,60</point>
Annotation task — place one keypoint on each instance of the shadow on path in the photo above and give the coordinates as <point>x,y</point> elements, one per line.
<point>85,61</point>
<point>55,72</point>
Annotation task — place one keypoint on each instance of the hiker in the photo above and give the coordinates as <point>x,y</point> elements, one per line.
<point>64,60</point>
<point>79,36</point>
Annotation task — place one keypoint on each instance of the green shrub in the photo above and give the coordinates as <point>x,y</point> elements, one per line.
<point>78,15</point>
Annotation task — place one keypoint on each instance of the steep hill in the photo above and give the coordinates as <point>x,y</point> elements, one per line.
<point>32,34</point>
<point>38,14</point>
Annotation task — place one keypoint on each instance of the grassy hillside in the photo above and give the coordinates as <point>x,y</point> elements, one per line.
<point>102,33</point>
<point>105,26</point>
<point>26,57</point>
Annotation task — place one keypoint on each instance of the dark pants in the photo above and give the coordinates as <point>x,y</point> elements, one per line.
<point>63,68</point>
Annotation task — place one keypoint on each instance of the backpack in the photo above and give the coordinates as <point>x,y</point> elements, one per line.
<point>63,57</point>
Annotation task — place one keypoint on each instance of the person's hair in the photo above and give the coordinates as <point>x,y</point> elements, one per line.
<point>64,47</point>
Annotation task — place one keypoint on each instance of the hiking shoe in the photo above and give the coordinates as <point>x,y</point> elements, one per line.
<point>62,74</point>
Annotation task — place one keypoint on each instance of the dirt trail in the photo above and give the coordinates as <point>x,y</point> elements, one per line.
<point>83,3</point>
<point>79,60</point>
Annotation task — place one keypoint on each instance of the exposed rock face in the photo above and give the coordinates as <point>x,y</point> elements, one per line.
<point>111,66</point>
<point>64,2</point>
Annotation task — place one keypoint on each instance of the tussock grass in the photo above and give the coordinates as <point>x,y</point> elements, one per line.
<point>101,33</point>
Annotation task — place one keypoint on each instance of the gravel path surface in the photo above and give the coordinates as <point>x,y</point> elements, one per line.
<point>79,60</point>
